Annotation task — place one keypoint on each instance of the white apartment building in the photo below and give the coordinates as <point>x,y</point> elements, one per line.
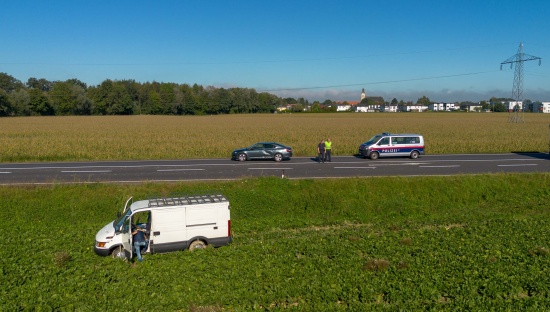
<point>515,105</point>
<point>543,107</point>
<point>439,107</point>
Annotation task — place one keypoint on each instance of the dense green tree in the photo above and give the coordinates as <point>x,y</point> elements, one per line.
<point>484,105</point>
<point>202,99</point>
<point>316,107</point>
<point>154,106</point>
<point>98,95</point>
<point>20,101</point>
<point>78,83</point>
<point>423,101</point>
<point>9,83</point>
<point>268,103</point>
<point>187,99</point>
<point>499,107</point>
<point>40,84</point>
<point>69,98</point>
<point>167,98</point>
<point>62,98</point>
<point>39,103</point>
<point>394,102</point>
<point>111,98</point>
<point>6,108</point>
<point>120,101</point>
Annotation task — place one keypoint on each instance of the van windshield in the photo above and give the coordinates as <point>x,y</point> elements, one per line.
<point>373,140</point>
<point>120,221</point>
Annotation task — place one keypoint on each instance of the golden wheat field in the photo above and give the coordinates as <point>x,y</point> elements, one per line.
<point>178,137</point>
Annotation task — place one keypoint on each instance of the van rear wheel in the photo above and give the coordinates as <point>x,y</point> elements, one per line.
<point>198,244</point>
<point>414,154</point>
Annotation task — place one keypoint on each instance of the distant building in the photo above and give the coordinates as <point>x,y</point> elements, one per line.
<point>415,108</point>
<point>343,108</point>
<point>389,108</point>
<point>441,107</point>
<point>515,106</point>
<point>543,107</point>
<point>471,107</point>
<point>369,103</point>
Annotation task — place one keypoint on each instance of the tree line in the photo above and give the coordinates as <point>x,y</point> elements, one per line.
<point>40,97</point>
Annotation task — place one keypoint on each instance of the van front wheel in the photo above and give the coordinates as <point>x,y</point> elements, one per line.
<point>198,244</point>
<point>414,154</point>
<point>374,155</point>
<point>118,252</point>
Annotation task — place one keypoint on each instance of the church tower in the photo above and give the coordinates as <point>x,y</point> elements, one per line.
<point>363,94</point>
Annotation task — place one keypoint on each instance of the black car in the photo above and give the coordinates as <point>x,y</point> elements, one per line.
<point>263,150</point>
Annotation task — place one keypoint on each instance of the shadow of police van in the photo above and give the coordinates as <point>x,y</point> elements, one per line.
<point>170,223</point>
<point>393,145</point>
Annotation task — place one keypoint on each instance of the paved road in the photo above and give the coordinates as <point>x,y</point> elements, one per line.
<point>297,167</point>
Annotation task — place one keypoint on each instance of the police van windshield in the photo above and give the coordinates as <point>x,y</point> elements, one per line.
<point>373,140</point>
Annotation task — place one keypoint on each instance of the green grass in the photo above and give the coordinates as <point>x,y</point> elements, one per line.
<point>385,244</point>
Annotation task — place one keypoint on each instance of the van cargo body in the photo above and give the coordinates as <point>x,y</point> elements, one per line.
<point>388,145</point>
<point>170,224</point>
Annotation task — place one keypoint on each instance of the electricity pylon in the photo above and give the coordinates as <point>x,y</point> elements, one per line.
<point>517,90</point>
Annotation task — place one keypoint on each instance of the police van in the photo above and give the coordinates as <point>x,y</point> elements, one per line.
<point>170,224</point>
<point>387,145</point>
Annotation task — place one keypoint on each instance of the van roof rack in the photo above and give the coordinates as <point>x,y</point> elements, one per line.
<point>187,200</point>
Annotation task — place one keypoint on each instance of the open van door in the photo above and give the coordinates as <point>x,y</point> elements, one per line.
<point>126,236</point>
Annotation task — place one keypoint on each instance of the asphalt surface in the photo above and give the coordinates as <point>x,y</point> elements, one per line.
<point>296,168</point>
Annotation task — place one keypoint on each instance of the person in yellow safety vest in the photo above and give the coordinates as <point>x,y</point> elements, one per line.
<point>328,150</point>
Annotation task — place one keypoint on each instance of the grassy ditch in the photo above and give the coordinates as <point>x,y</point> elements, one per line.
<point>442,243</point>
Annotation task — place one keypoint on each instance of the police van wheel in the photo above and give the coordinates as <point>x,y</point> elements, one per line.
<point>374,155</point>
<point>198,244</point>
<point>118,253</point>
<point>414,154</point>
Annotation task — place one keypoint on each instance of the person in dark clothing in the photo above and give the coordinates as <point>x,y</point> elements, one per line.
<point>140,241</point>
<point>321,151</point>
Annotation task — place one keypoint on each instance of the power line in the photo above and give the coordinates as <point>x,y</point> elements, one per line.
<point>380,82</point>
<point>254,62</point>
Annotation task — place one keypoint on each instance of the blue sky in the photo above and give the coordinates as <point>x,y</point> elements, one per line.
<point>446,50</point>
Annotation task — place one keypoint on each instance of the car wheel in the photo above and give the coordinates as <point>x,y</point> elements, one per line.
<point>118,252</point>
<point>242,157</point>
<point>374,155</point>
<point>198,244</point>
<point>278,157</point>
<point>414,154</point>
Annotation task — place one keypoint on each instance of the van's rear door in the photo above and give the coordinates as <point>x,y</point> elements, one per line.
<point>126,236</point>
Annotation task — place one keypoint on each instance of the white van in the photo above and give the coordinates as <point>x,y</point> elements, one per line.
<point>170,223</point>
<point>387,144</point>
